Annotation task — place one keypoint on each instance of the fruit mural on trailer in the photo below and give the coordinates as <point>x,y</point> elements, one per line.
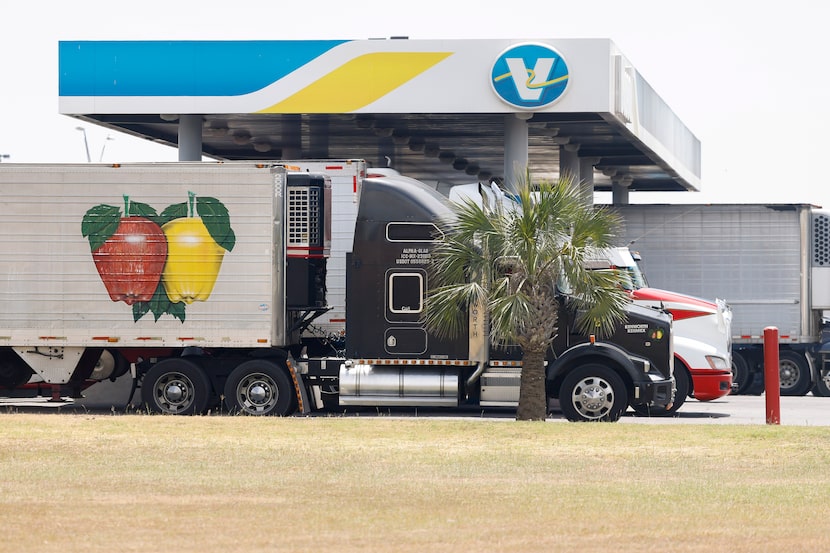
<point>159,263</point>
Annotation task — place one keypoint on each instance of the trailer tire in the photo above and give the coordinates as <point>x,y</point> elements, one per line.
<point>109,366</point>
<point>821,388</point>
<point>756,384</point>
<point>176,386</point>
<point>741,377</point>
<point>794,374</point>
<point>260,387</point>
<point>682,384</point>
<point>593,392</point>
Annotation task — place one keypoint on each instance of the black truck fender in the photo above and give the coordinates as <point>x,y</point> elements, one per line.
<point>603,353</point>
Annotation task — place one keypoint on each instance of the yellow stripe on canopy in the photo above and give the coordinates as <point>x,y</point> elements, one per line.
<point>358,83</point>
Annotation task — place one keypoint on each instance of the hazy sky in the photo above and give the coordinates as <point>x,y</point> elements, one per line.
<point>748,80</point>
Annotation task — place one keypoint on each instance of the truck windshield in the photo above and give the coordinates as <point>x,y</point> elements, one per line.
<point>636,276</point>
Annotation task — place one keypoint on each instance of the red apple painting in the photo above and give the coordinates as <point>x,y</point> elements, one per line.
<point>159,263</point>
<point>129,251</point>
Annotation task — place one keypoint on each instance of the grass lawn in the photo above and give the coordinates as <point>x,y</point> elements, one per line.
<point>99,483</point>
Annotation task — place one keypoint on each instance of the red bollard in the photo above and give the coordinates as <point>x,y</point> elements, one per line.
<point>772,379</point>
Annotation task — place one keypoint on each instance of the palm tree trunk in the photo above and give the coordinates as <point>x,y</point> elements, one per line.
<point>533,401</point>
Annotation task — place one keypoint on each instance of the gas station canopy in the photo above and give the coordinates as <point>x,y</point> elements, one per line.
<point>442,111</point>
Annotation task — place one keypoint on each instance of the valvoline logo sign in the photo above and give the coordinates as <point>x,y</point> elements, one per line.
<point>529,75</point>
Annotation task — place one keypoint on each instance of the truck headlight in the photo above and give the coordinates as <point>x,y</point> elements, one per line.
<point>641,362</point>
<point>718,363</point>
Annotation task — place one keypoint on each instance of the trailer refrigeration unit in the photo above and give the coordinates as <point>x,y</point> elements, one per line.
<point>346,175</point>
<point>202,280</point>
<point>770,262</point>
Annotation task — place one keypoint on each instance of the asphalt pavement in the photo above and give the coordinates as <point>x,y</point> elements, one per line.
<point>749,410</point>
<point>808,410</point>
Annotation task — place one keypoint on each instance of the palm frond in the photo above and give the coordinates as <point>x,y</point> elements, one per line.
<point>509,257</point>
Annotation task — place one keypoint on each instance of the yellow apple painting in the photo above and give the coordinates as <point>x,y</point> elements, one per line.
<point>159,263</point>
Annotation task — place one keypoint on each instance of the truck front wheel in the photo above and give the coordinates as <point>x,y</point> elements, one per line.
<point>592,393</point>
<point>259,387</point>
<point>176,387</point>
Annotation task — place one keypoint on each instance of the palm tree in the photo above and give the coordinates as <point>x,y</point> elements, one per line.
<point>509,257</point>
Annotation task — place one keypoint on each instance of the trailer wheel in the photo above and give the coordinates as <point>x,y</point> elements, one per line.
<point>176,387</point>
<point>682,383</point>
<point>794,374</point>
<point>822,387</point>
<point>592,393</point>
<point>259,387</point>
<point>741,377</point>
<point>110,365</point>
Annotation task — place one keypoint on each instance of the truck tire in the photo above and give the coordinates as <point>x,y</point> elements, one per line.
<point>682,380</point>
<point>593,393</point>
<point>176,387</point>
<point>794,373</point>
<point>741,377</point>
<point>822,387</point>
<point>260,387</point>
<point>756,384</point>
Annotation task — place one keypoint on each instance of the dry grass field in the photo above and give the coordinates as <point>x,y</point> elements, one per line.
<point>121,483</point>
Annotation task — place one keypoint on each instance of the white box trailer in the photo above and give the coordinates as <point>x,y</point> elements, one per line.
<point>58,299</point>
<point>770,262</point>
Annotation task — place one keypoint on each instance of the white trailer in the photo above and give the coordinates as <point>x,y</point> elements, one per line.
<point>770,262</point>
<point>129,260</point>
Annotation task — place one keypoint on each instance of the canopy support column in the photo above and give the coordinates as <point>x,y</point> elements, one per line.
<point>190,137</point>
<point>515,149</point>
<point>569,162</point>
<point>619,189</point>
<point>586,174</point>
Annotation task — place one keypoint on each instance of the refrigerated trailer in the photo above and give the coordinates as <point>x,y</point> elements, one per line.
<point>204,279</point>
<point>770,262</point>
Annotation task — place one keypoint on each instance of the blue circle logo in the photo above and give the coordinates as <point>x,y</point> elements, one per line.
<point>529,76</point>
